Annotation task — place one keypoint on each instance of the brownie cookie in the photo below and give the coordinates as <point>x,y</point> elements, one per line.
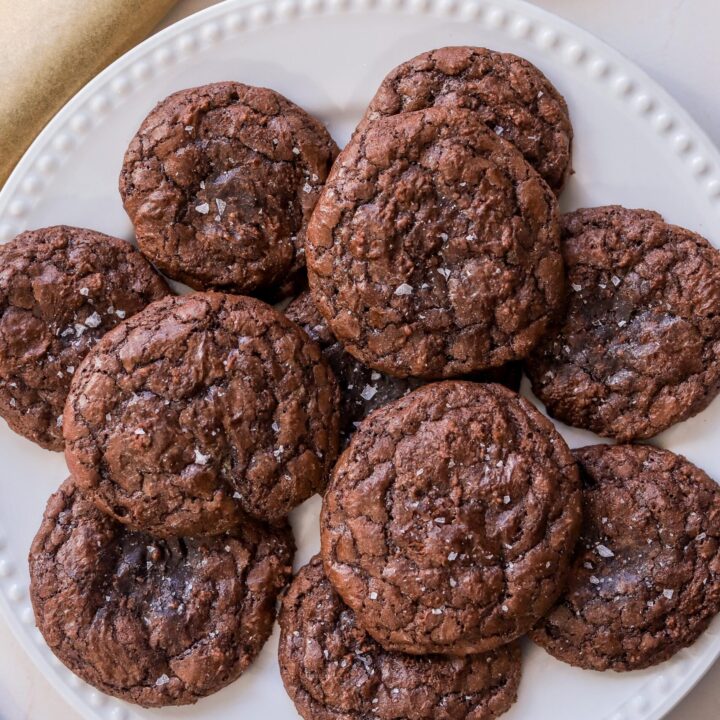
<point>61,289</point>
<point>333,670</point>
<point>196,406</point>
<point>434,248</point>
<point>220,181</point>
<point>646,579</point>
<point>362,389</point>
<point>451,519</point>
<point>639,346</point>
<point>154,622</point>
<point>508,93</point>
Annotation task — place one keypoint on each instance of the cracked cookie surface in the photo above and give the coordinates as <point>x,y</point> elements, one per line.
<point>154,622</point>
<point>451,518</point>
<point>196,407</point>
<point>220,181</point>
<point>511,96</point>
<point>434,248</point>
<point>362,389</point>
<point>638,347</point>
<point>646,578</point>
<point>333,670</point>
<point>61,289</point>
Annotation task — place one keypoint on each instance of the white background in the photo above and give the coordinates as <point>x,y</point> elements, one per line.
<point>676,42</point>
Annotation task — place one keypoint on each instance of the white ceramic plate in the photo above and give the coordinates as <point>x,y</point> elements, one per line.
<point>634,146</point>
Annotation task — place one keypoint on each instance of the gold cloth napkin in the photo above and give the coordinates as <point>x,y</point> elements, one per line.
<point>50,49</point>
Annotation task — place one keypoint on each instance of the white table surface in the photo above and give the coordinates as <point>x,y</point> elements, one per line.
<point>676,42</point>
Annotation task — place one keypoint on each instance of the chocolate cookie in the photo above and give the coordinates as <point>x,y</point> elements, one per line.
<point>196,406</point>
<point>154,622</point>
<point>333,670</point>
<point>220,181</point>
<point>61,289</point>
<point>434,248</point>
<point>507,92</point>
<point>646,579</point>
<point>451,518</point>
<point>362,389</point>
<point>638,348</point>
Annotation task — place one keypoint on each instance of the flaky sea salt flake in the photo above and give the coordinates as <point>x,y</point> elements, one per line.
<point>93,321</point>
<point>201,459</point>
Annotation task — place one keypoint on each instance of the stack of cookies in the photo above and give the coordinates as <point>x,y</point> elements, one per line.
<point>191,430</point>
<point>420,270</point>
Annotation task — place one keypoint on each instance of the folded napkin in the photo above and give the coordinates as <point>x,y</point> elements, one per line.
<point>50,49</point>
